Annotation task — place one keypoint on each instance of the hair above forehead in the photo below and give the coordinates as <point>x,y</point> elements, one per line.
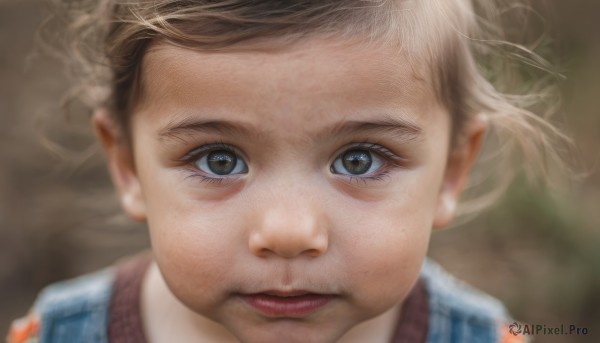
<point>214,24</point>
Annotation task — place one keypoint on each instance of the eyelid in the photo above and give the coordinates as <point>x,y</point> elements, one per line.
<point>202,150</point>
<point>383,152</point>
<point>390,162</point>
<point>206,148</point>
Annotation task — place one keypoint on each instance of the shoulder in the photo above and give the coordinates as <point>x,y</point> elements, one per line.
<point>82,294</point>
<point>460,312</point>
<point>449,295</point>
<point>69,309</point>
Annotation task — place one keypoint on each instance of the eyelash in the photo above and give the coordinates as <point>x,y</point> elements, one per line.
<point>391,160</point>
<point>191,157</point>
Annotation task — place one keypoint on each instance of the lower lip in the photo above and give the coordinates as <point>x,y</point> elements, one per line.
<point>294,307</point>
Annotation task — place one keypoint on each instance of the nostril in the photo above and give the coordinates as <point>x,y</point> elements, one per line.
<point>313,252</point>
<point>319,244</point>
<point>286,253</point>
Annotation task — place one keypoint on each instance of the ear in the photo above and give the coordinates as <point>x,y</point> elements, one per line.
<point>460,162</point>
<point>120,164</point>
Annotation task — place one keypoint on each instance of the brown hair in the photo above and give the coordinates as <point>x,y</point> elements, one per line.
<point>107,40</point>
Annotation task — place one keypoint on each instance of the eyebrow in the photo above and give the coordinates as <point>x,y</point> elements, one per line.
<point>392,125</point>
<point>399,127</point>
<point>178,130</point>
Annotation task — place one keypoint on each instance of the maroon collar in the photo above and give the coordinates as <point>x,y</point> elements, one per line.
<point>125,319</point>
<point>414,317</point>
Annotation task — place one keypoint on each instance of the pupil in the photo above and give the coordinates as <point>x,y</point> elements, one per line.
<point>357,161</point>
<point>221,162</point>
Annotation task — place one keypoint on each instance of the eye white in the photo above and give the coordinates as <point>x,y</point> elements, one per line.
<point>213,166</point>
<point>340,164</point>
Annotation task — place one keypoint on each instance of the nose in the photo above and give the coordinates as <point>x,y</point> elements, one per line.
<point>289,230</point>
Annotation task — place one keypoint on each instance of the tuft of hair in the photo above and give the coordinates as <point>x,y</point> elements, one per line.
<point>471,65</point>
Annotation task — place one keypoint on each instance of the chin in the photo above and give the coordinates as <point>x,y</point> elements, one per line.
<point>289,331</point>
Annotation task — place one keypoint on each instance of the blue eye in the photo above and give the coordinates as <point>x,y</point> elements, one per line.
<point>221,162</point>
<point>356,162</point>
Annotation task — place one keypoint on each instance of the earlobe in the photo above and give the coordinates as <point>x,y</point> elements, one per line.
<point>460,162</point>
<point>133,204</point>
<point>446,209</point>
<point>120,164</point>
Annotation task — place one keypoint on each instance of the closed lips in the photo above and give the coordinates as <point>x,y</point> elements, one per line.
<point>292,304</point>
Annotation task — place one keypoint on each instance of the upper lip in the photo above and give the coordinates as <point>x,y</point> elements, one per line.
<point>285,293</point>
<point>291,293</point>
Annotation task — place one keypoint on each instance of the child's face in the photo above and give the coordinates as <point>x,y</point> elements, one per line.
<point>315,171</point>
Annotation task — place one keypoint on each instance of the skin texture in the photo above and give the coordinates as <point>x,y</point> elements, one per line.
<point>290,222</point>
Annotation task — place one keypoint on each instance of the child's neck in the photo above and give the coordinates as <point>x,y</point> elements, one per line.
<point>376,330</point>
<point>166,320</point>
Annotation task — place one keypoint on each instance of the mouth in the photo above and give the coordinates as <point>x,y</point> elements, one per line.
<point>288,304</point>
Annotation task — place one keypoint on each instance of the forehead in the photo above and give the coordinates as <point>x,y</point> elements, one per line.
<point>314,76</point>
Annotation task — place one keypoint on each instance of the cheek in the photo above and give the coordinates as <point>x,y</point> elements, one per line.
<point>195,243</point>
<point>384,261</point>
<point>384,243</point>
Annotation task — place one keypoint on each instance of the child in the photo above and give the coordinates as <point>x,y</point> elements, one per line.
<point>290,160</point>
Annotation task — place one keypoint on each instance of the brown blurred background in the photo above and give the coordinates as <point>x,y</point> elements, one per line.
<point>538,252</point>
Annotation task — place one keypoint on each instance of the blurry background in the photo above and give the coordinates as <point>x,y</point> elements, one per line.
<point>538,252</point>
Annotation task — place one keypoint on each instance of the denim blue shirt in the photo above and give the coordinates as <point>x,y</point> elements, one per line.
<point>77,310</point>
